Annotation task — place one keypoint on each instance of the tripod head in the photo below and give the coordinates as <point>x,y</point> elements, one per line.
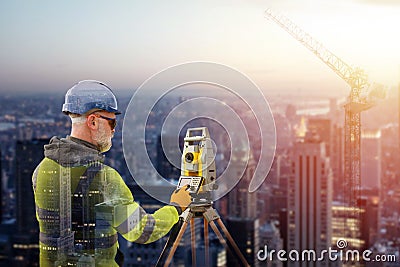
<point>198,165</point>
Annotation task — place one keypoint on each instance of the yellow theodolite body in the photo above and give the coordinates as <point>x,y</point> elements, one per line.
<point>198,161</point>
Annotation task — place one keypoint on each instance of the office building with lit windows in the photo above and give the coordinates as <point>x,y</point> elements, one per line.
<point>309,199</point>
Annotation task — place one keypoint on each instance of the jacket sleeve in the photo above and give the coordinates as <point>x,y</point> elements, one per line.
<point>130,219</point>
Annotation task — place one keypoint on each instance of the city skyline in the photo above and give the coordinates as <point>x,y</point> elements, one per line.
<point>272,197</point>
<point>48,46</point>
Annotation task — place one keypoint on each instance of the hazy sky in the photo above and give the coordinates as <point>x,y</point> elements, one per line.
<point>49,45</point>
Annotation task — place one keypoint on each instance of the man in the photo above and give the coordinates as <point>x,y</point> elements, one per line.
<point>81,203</point>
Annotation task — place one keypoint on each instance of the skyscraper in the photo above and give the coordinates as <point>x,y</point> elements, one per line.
<point>245,232</point>
<point>242,203</point>
<point>28,155</point>
<point>371,158</point>
<point>329,132</point>
<point>26,240</point>
<point>309,197</point>
<point>370,220</point>
<point>242,221</point>
<point>270,237</point>
<point>346,225</point>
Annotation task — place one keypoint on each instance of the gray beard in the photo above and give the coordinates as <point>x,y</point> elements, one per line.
<point>104,143</point>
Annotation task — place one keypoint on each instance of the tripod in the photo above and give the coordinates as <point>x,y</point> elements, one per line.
<point>209,215</point>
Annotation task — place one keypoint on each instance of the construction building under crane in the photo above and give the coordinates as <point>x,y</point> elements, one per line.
<point>359,99</point>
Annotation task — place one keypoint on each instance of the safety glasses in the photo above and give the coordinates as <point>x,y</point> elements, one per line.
<point>111,121</point>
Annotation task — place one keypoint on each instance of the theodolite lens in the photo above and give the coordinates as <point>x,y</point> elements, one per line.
<point>189,157</point>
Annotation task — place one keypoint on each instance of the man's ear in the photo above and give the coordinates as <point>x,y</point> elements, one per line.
<point>91,122</point>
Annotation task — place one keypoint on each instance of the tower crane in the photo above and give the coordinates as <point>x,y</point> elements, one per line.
<point>356,103</point>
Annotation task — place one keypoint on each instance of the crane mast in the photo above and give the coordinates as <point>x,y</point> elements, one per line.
<point>356,103</point>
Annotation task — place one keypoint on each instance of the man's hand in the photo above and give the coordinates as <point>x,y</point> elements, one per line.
<point>180,198</point>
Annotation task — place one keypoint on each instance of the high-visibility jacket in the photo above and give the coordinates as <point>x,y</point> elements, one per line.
<point>82,205</point>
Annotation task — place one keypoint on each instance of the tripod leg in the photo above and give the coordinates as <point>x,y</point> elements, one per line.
<point>193,241</point>
<point>176,243</point>
<point>174,233</point>
<point>206,244</point>
<point>220,237</point>
<point>232,242</point>
<point>223,242</point>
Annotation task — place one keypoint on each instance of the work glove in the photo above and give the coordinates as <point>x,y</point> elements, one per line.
<point>181,199</point>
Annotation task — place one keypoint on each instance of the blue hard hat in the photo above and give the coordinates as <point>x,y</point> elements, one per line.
<point>87,95</point>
